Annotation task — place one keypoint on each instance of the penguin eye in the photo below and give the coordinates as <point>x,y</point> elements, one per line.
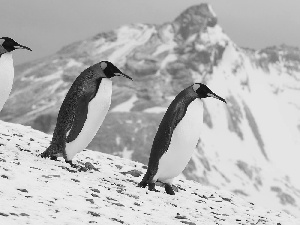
<point>103,65</point>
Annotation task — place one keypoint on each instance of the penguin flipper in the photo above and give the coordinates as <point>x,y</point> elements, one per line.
<point>80,116</point>
<point>169,189</point>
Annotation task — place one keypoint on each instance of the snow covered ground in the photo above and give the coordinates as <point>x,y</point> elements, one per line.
<point>40,191</point>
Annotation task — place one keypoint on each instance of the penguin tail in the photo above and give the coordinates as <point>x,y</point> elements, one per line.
<point>52,152</point>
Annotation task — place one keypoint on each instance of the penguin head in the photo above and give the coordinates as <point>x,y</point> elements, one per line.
<point>203,92</point>
<point>9,44</point>
<point>110,70</point>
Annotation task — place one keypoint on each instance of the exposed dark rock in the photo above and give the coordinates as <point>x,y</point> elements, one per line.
<point>206,117</point>
<point>75,180</point>
<point>239,192</point>
<point>194,20</point>
<point>255,130</point>
<point>44,122</point>
<point>69,49</point>
<point>109,36</point>
<point>244,167</point>
<point>234,117</point>
<point>271,53</point>
<point>178,216</point>
<point>117,220</point>
<point>22,190</point>
<point>144,68</point>
<point>95,190</point>
<point>218,54</point>
<point>90,200</point>
<point>222,174</point>
<point>226,199</point>
<point>94,214</point>
<point>284,197</point>
<point>134,173</point>
<point>135,134</point>
<point>118,204</point>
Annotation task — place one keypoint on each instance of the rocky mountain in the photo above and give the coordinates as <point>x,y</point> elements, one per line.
<point>249,146</point>
<point>40,191</point>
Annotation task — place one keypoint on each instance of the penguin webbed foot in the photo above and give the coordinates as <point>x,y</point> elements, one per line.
<point>169,189</point>
<point>142,184</point>
<point>45,154</point>
<point>151,187</point>
<point>148,180</point>
<point>53,158</point>
<point>51,152</point>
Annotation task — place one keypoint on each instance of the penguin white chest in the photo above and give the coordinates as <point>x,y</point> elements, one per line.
<point>97,110</point>
<point>6,77</point>
<point>183,143</point>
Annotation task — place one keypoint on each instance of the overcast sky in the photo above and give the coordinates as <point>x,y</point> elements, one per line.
<point>46,25</point>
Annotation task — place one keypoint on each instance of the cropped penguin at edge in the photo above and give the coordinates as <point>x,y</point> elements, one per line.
<point>82,112</point>
<point>7,45</point>
<point>177,137</point>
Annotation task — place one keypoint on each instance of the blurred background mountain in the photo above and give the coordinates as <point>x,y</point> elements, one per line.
<point>249,146</point>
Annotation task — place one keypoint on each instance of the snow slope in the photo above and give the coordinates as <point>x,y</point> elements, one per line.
<point>40,191</point>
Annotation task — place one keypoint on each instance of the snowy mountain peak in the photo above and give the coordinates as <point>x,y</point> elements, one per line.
<point>194,20</point>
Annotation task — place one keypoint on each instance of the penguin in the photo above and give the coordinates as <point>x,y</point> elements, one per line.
<point>82,112</point>
<point>177,137</point>
<point>7,45</point>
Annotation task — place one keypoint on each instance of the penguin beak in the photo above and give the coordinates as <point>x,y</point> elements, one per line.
<point>123,75</point>
<point>22,47</point>
<point>216,96</point>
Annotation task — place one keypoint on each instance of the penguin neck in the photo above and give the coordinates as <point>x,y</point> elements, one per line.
<point>6,61</point>
<point>188,95</point>
<point>99,71</point>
